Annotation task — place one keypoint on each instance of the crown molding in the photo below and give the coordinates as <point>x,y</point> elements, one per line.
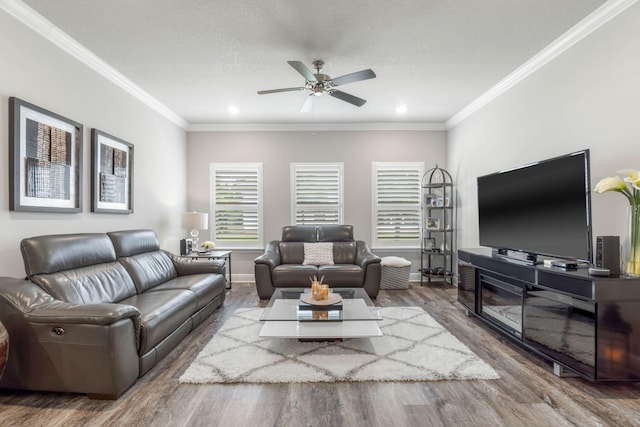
<point>316,127</point>
<point>595,20</point>
<point>49,31</point>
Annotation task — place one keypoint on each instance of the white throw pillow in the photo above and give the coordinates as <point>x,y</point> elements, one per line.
<point>318,254</point>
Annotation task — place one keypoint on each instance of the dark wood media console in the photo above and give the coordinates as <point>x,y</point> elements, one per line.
<point>586,325</point>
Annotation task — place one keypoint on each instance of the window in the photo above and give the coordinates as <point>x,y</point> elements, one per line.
<point>236,204</point>
<point>396,203</point>
<point>316,193</point>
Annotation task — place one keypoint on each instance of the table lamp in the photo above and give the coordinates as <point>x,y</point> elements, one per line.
<point>195,221</point>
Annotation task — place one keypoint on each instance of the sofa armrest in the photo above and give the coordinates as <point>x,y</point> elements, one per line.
<point>59,346</point>
<point>364,256</point>
<point>36,306</point>
<point>187,265</point>
<point>271,255</point>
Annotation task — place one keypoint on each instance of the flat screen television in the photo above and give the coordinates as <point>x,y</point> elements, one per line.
<point>543,208</point>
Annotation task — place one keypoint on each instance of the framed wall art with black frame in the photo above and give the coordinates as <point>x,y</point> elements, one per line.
<point>111,174</point>
<point>45,160</point>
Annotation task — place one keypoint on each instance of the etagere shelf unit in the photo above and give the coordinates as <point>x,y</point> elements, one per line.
<point>438,233</point>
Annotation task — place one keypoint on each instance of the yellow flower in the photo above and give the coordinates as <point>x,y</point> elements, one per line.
<point>610,183</point>
<point>631,176</point>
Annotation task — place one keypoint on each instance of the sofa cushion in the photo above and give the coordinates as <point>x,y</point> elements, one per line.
<point>335,233</point>
<point>344,252</point>
<point>133,242</point>
<point>299,233</point>
<point>149,269</point>
<point>50,254</point>
<point>318,253</point>
<point>161,313</point>
<point>95,284</point>
<point>347,275</point>
<point>291,252</point>
<point>293,275</point>
<point>205,286</point>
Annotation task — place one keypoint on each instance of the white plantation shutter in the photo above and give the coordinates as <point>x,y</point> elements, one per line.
<point>236,204</point>
<point>316,193</point>
<point>396,203</point>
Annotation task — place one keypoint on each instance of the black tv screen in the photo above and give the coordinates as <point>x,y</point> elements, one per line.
<point>543,208</point>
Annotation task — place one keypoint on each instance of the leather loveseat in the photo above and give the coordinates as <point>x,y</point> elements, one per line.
<point>282,265</point>
<point>97,311</point>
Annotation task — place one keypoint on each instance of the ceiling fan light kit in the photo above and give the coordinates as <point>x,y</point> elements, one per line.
<point>318,83</point>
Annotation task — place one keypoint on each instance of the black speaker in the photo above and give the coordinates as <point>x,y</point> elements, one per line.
<point>608,253</point>
<point>183,247</point>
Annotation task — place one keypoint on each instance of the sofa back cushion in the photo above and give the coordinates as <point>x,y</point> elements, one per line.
<point>149,269</point>
<point>95,284</point>
<point>292,242</point>
<point>76,268</point>
<point>294,236</point>
<point>53,253</point>
<point>344,252</point>
<point>299,233</point>
<point>139,252</point>
<point>335,233</point>
<point>344,247</point>
<point>133,242</point>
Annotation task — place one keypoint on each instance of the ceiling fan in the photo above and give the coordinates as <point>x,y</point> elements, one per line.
<point>318,83</point>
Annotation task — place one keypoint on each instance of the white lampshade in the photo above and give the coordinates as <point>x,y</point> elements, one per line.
<point>195,221</point>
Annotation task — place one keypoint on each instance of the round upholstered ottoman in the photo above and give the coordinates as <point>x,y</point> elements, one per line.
<point>395,273</point>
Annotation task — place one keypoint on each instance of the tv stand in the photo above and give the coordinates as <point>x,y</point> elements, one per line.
<point>516,256</point>
<point>586,325</point>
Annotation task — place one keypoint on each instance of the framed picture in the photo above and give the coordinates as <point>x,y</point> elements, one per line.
<point>429,244</point>
<point>433,223</point>
<point>429,199</point>
<point>111,174</point>
<point>45,160</point>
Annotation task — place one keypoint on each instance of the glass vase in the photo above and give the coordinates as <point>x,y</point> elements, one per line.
<point>632,252</point>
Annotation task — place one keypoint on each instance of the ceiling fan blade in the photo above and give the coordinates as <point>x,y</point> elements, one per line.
<point>308,104</point>
<point>288,89</point>
<point>353,77</point>
<point>358,102</point>
<point>302,69</point>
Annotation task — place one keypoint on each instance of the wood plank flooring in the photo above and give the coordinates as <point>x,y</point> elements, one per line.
<point>527,394</point>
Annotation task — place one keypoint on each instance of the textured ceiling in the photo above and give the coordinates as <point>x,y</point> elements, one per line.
<point>198,57</point>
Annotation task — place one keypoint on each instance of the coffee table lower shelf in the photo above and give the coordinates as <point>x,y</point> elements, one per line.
<point>321,329</point>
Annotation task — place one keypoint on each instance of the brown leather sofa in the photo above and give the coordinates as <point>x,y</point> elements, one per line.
<point>97,311</point>
<point>281,266</point>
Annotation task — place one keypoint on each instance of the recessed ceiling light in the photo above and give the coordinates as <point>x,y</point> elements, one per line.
<point>233,109</point>
<point>401,109</point>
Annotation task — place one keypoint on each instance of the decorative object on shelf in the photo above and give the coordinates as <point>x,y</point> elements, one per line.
<point>45,160</point>
<point>208,245</point>
<point>436,256</point>
<point>195,221</point>
<point>629,186</point>
<point>111,174</point>
<point>428,243</point>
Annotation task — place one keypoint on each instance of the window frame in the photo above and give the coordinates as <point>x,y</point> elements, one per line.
<point>419,168</point>
<point>294,168</point>
<point>256,168</point>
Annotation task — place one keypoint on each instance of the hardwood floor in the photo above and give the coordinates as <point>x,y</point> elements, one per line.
<point>527,394</point>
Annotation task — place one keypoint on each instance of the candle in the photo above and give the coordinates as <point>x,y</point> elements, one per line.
<point>324,290</point>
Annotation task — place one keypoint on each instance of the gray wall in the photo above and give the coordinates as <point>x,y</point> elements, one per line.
<point>276,150</point>
<point>588,97</point>
<point>37,71</point>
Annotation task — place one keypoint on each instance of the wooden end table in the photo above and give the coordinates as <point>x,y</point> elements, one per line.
<point>225,255</point>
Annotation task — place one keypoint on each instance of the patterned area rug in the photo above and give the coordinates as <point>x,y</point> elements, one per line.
<point>414,348</point>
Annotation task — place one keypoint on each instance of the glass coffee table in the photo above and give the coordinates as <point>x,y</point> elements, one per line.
<point>284,318</point>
